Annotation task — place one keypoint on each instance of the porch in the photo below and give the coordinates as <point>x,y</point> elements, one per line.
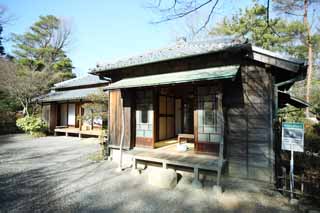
<point>73,130</point>
<point>169,156</point>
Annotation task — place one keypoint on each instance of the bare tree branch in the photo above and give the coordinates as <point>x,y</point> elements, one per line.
<point>179,9</point>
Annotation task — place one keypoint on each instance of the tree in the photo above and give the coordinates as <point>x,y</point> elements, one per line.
<point>4,19</point>
<point>96,108</point>
<point>43,47</point>
<point>309,39</point>
<point>2,53</point>
<point>174,9</point>
<point>251,24</point>
<point>23,85</point>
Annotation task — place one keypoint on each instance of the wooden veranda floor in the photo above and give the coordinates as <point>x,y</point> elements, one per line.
<point>170,156</point>
<point>72,130</point>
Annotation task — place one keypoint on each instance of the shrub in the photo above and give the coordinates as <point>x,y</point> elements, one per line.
<point>32,125</point>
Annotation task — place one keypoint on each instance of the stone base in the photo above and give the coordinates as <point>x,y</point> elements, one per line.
<point>196,184</point>
<point>135,172</point>
<point>217,190</point>
<point>185,182</point>
<point>119,169</point>
<point>294,202</point>
<point>162,178</point>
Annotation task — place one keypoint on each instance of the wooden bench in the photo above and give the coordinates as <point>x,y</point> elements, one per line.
<point>184,136</point>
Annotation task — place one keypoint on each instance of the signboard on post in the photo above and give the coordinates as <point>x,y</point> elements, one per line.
<point>292,140</point>
<point>292,137</point>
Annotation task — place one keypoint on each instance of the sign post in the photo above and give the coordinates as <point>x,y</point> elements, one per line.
<point>292,140</point>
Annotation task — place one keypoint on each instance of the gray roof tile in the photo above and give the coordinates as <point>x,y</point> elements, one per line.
<point>185,49</point>
<point>85,80</point>
<point>178,50</point>
<point>67,95</point>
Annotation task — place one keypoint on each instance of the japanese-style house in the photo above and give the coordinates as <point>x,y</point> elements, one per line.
<point>61,107</point>
<point>222,98</point>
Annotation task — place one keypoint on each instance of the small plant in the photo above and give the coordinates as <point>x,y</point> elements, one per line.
<point>32,125</point>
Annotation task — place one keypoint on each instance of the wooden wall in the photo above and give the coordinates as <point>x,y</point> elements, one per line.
<point>53,120</point>
<point>115,115</point>
<point>248,103</point>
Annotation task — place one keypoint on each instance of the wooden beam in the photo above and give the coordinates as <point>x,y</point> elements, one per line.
<point>293,67</point>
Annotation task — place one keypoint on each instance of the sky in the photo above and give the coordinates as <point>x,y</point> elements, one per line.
<point>103,30</point>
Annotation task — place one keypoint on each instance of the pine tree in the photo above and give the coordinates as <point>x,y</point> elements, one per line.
<point>42,48</point>
<point>252,24</point>
<point>2,52</point>
<point>309,38</point>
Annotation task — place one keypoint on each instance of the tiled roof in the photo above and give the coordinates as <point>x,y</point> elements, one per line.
<point>85,80</point>
<point>178,50</point>
<point>67,95</point>
<point>186,49</point>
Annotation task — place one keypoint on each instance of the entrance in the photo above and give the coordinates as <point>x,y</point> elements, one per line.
<point>175,114</point>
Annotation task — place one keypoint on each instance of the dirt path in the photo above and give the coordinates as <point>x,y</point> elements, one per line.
<point>53,174</point>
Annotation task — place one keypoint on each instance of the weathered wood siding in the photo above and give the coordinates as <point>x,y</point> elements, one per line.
<point>248,134</point>
<point>115,114</point>
<point>53,116</point>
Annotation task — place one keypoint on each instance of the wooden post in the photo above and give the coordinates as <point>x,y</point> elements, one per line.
<point>164,164</point>
<point>122,134</point>
<point>196,183</point>
<point>134,163</point>
<point>284,178</point>
<point>196,173</point>
<point>221,146</point>
<point>302,184</point>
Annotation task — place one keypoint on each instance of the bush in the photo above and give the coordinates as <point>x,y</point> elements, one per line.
<point>32,125</point>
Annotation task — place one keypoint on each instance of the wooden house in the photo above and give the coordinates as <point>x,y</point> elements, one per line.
<point>61,107</point>
<point>222,98</point>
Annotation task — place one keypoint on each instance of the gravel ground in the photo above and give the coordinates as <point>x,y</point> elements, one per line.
<point>53,174</point>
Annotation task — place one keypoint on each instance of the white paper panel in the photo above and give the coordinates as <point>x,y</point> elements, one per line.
<point>72,114</point>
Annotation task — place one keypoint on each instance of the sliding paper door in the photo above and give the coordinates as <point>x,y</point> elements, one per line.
<point>71,115</point>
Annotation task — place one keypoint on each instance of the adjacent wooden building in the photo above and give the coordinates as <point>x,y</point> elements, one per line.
<point>223,95</point>
<point>61,108</point>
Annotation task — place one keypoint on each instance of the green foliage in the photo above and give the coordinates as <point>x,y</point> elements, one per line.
<point>40,61</point>
<point>42,48</point>
<point>251,23</point>
<point>8,103</point>
<point>292,114</point>
<point>279,34</point>
<point>97,106</point>
<point>32,125</point>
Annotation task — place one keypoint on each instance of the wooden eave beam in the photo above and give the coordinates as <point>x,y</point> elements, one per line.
<point>284,64</point>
